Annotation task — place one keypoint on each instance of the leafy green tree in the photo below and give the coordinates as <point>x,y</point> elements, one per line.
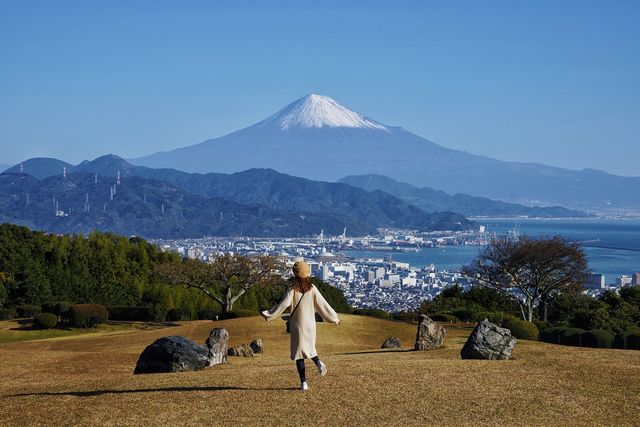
<point>226,279</point>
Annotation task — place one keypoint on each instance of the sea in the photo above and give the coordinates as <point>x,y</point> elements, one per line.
<point>612,246</point>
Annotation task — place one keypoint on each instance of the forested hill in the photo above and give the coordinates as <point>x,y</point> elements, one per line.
<point>170,203</point>
<point>149,208</point>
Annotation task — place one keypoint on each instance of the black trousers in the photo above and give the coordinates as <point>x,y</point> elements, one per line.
<point>301,370</point>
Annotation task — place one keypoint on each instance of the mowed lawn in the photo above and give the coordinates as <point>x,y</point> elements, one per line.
<point>88,380</point>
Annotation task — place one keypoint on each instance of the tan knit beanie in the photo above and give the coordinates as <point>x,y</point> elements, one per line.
<point>301,269</point>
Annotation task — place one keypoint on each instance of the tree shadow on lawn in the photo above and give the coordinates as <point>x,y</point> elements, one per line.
<point>91,393</point>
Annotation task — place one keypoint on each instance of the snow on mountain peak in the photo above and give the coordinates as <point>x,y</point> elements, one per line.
<point>317,111</point>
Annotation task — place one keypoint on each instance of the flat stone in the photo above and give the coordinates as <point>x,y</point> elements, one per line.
<point>243,350</point>
<point>391,342</point>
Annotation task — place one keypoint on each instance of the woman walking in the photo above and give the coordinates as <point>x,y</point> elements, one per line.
<point>305,300</point>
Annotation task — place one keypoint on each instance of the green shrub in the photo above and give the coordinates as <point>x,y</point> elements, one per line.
<point>372,312</point>
<point>597,338</point>
<point>496,317</point>
<point>522,329</point>
<point>571,336</point>
<point>620,341</point>
<point>45,320</point>
<point>7,313</point>
<point>465,315</point>
<point>174,315</point>
<point>28,310</point>
<point>207,315</point>
<point>61,308</point>
<point>238,313</point>
<point>551,335</point>
<point>443,318</point>
<point>633,341</point>
<point>541,324</point>
<point>405,316</point>
<point>88,315</point>
<point>131,314</point>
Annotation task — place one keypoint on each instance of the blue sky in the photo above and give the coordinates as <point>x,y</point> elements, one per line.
<point>543,81</point>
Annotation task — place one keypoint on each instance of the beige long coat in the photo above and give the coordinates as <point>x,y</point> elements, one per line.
<point>303,322</point>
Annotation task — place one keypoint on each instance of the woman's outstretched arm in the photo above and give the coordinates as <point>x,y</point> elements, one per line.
<point>324,309</point>
<point>276,311</point>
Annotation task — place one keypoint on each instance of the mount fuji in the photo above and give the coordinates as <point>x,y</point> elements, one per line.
<point>317,138</point>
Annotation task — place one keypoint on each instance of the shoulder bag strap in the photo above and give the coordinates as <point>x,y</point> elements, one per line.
<point>296,307</point>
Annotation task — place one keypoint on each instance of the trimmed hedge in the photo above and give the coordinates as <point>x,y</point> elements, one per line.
<point>405,316</point>
<point>571,336</point>
<point>372,312</point>
<point>45,320</point>
<point>88,315</point>
<point>597,338</point>
<point>620,341</point>
<point>522,329</point>
<point>238,313</point>
<point>174,315</point>
<point>496,317</point>
<point>551,335</point>
<point>28,310</point>
<point>7,313</point>
<point>123,313</point>
<point>541,324</point>
<point>465,315</point>
<point>443,318</point>
<point>633,341</point>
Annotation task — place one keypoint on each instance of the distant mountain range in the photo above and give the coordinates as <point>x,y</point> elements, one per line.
<point>170,203</point>
<point>433,200</point>
<point>317,138</point>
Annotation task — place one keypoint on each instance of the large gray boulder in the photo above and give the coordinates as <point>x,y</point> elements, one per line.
<point>430,335</point>
<point>217,343</point>
<point>391,342</point>
<point>172,354</point>
<point>488,341</point>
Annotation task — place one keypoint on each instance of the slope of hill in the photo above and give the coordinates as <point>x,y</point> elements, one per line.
<point>42,167</point>
<point>316,138</point>
<point>434,200</point>
<point>149,208</point>
<point>89,378</point>
<point>289,193</point>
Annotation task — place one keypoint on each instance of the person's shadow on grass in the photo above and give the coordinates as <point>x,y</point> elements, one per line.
<point>91,393</point>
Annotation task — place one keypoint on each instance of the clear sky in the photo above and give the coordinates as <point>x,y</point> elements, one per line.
<point>556,82</point>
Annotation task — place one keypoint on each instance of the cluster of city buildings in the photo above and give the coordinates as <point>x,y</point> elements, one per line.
<point>367,282</point>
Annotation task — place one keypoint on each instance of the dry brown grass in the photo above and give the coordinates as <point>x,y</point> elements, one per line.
<point>87,380</point>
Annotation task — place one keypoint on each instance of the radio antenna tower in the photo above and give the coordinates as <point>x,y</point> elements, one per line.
<point>95,179</point>
<point>21,167</point>
<point>64,171</point>
<point>118,179</point>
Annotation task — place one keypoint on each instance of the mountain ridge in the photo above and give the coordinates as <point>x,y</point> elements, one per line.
<point>331,153</point>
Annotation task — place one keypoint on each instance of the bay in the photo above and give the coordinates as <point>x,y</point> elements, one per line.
<point>612,246</point>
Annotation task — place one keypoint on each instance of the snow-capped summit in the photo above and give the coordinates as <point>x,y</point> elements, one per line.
<point>317,111</point>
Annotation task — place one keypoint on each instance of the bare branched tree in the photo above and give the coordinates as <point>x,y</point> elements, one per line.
<point>534,268</point>
<point>225,279</point>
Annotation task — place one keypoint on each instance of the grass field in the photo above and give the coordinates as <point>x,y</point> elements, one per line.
<point>87,380</point>
<point>23,330</point>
